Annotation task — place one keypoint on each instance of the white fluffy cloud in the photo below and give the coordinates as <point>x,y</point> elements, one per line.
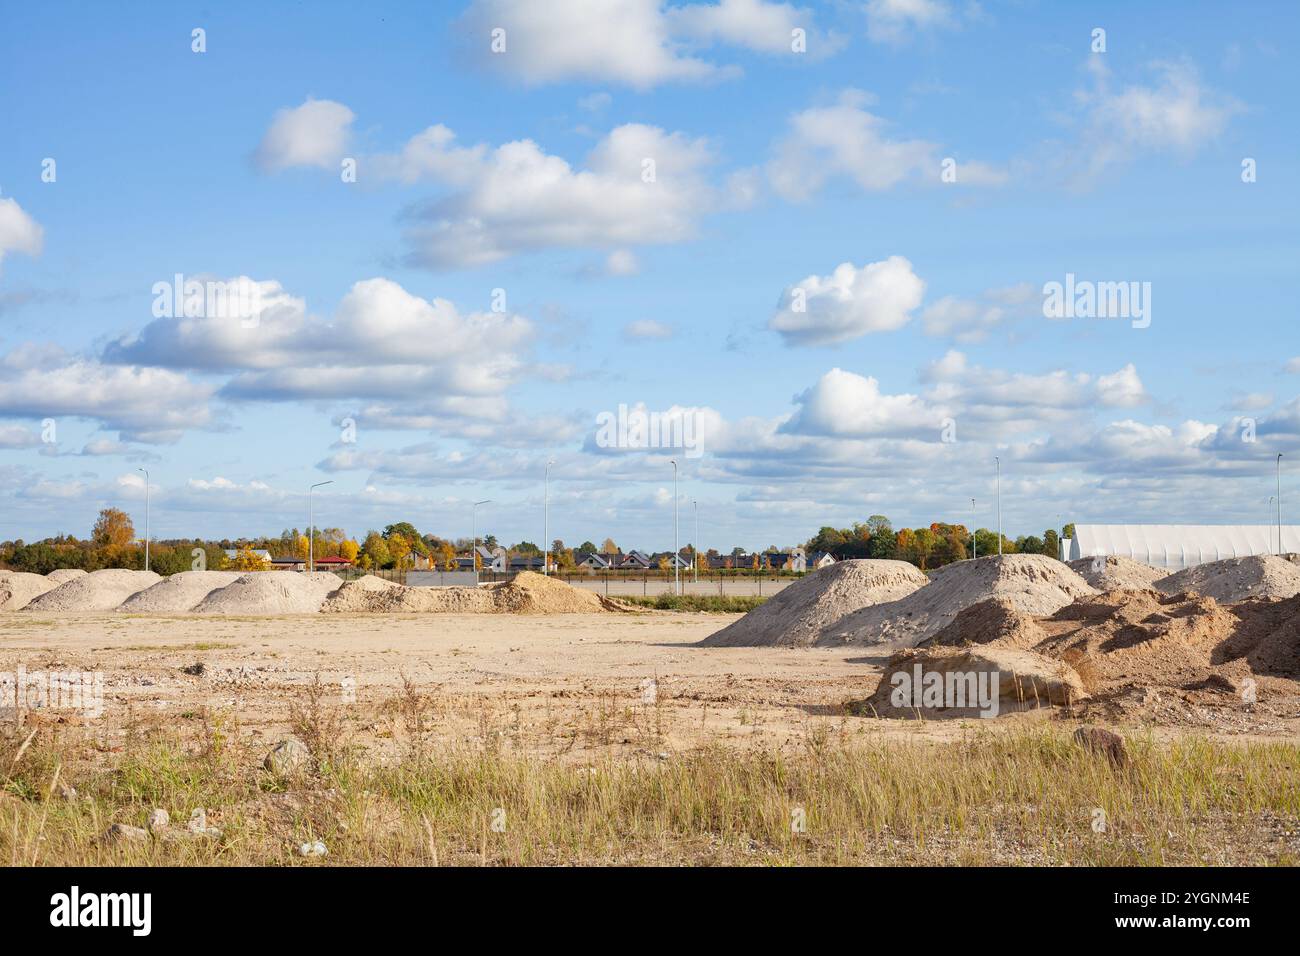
<point>143,404</point>
<point>313,134</point>
<point>893,21</point>
<point>382,342</point>
<point>640,185</point>
<point>635,43</point>
<point>850,405</point>
<point>19,232</point>
<point>1175,113</point>
<point>848,303</point>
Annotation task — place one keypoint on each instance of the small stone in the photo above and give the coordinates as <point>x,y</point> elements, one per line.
<point>1105,743</point>
<point>195,670</point>
<point>287,758</point>
<point>67,793</point>
<point>312,849</point>
<point>159,820</point>
<point>120,832</point>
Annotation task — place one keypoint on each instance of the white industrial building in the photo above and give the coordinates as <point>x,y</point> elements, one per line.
<point>1177,546</point>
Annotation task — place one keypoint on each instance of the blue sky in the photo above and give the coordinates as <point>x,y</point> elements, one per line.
<point>779,175</point>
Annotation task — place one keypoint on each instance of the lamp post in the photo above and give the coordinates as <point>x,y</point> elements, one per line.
<point>473,554</point>
<point>974,544</point>
<point>311,526</point>
<point>695,546</point>
<point>677,584</point>
<point>546,518</point>
<point>1279,502</point>
<point>998,463</point>
<point>1271,499</point>
<point>146,516</point>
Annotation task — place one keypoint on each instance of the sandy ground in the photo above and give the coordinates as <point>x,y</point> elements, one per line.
<point>560,685</point>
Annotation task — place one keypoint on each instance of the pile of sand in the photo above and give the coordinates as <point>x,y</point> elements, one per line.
<point>801,611</point>
<point>271,592</point>
<point>17,588</point>
<point>996,620</point>
<point>178,593</point>
<point>1030,583</point>
<point>1268,576</point>
<point>100,590</point>
<point>64,575</point>
<point>1112,572</point>
<point>527,593</point>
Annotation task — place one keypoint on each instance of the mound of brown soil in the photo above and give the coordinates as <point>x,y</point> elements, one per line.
<point>178,593</point>
<point>800,612</point>
<point>1267,576</point>
<point>527,593</point>
<point>1113,572</point>
<point>1031,583</point>
<point>98,591</point>
<point>996,620</point>
<point>944,682</point>
<point>271,592</point>
<point>64,575</point>
<point>18,588</point>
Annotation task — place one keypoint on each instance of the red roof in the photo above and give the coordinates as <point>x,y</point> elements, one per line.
<point>333,561</point>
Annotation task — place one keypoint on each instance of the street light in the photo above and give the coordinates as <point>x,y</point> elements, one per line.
<point>999,463</point>
<point>677,584</point>
<point>311,526</point>
<point>695,545</point>
<point>1279,502</point>
<point>473,554</point>
<point>146,516</point>
<point>546,517</point>
<point>1272,499</point>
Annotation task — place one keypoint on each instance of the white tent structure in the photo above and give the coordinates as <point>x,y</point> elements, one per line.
<point>1178,546</point>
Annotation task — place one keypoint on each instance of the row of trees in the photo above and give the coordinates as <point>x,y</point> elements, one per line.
<point>931,547</point>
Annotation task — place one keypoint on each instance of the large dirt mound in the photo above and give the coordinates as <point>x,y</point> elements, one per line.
<point>800,612</point>
<point>944,682</point>
<point>17,588</point>
<point>1267,576</point>
<point>1030,583</point>
<point>64,575</point>
<point>1112,572</point>
<point>271,592</point>
<point>98,591</point>
<point>996,620</point>
<point>178,593</point>
<point>1267,638</point>
<point>527,593</point>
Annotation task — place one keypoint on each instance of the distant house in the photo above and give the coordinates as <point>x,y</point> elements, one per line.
<point>635,561</point>
<point>289,564</point>
<point>333,563</point>
<point>798,561</point>
<point>822,559</point>
<point>673,559</point>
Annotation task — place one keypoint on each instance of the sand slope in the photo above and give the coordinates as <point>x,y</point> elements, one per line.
<point>1031,583</point>
<point>1113,572</point>
<point>18,588</point>
<point>178,593</point>
<point>527,593</point>
<point>100,590</point>
<point>271,592</point>
<point>800,612</point>
<point>1261,575</point>
<point>64,575</point>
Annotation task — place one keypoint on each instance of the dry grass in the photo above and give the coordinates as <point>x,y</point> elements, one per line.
<point>1025,796</point>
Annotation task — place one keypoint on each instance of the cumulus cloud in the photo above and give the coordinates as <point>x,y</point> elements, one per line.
<point>1175,113</point>
<point>635,43</point>
<point>381,342</point>
<point>19,232</point>
<point>844,139</point>
<point>894,21</point>
<point>848,303</point>
<point>313,134</point>
<point>971,320</point>
<point>639,185</point>
<point>151,405</point>
<point>850,405</point>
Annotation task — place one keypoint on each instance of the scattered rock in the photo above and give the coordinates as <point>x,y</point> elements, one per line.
<point>195,670</point>
<point>120,832</point>
<point>312,849</point>
<point>159,820</point>
<point>1104,743</point>
<point>288,758</point>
